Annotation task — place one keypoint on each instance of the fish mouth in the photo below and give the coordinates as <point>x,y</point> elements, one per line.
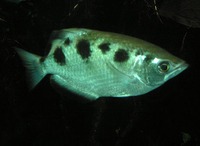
<point>177,70</point>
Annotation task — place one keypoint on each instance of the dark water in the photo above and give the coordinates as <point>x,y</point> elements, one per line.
<point>168,116</point>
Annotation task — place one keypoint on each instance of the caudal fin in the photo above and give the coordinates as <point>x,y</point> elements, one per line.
<point>34,71</point>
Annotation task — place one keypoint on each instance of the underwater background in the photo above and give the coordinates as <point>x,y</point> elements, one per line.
<point>167,116</point>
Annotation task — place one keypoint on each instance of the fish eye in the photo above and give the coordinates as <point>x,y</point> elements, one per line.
<point>163,67</point>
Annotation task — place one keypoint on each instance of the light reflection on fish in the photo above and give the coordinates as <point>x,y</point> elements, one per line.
<point>97,64</point>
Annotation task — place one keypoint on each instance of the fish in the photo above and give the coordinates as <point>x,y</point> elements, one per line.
<point>96,64</point>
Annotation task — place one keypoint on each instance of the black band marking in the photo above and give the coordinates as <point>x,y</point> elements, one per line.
<point>83,49</point>
<point>67,41</point>
<point>42,59</point>
<point>121,55</point>
<point>148,59</point>
<point>104,47</point>
<point>59,56</point>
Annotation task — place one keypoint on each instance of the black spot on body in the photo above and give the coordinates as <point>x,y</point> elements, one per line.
<point>42,59</point>
<point>83,49</point>
<point>139,52</point>
<point>67,41</point>
<point>59,56</point>
<point>104,47</point>
<point>148,58</point>
<point>121,55</point>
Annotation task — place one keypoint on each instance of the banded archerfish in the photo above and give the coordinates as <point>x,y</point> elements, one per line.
<point>97,64</point>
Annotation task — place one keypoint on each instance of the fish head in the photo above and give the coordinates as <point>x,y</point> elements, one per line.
<point>154,69</point>
<point>161,70</point>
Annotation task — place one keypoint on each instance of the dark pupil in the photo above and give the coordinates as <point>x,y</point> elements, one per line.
<point>164,67</point>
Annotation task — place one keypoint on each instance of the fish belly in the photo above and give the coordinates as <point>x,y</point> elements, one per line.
<point>95,84</point>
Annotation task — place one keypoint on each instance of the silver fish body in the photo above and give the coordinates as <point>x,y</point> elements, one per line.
<point>102,64</point>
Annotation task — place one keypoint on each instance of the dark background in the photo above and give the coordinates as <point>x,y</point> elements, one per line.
<point>167,116</point>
